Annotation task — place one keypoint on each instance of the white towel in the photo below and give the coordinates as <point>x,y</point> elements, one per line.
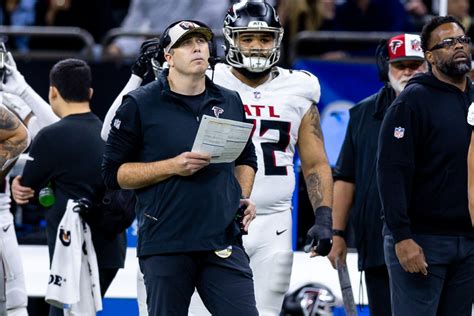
<point>74,278</point>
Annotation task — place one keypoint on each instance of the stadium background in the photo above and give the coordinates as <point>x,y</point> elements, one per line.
<point>343,83</point>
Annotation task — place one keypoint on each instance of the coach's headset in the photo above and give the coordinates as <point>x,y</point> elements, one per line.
<point>165,40</point>
<point>381,60</point>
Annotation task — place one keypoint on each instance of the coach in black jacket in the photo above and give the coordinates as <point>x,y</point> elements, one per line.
<point>186,206</point>
<point>422,179</point>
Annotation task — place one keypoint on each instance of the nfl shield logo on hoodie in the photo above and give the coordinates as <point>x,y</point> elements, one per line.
<point>399,132</point>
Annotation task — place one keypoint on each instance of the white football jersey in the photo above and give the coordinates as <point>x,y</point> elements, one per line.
<point>276,108</point>
<point>5,199</point>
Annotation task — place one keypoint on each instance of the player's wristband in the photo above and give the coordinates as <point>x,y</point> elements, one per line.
<point>339,232</point>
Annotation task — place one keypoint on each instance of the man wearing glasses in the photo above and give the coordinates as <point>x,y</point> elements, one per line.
<point>422,180</point>
<point>355,186</point>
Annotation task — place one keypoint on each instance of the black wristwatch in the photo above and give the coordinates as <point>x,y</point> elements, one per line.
<point>339,232</point>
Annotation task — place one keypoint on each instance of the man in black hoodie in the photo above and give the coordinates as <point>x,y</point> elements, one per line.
<point>355,186</point>
<point>422,180</point>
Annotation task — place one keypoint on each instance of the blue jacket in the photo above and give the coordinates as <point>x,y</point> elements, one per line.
<point>178,214</point>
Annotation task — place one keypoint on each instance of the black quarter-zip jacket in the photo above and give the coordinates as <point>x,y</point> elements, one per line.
<point>422,160</point>
<point>178,214</point>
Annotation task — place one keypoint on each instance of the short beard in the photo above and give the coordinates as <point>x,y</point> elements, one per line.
<point>455,70</point>
<point>396,84</point>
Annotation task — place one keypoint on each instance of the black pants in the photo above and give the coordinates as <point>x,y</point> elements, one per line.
<point>106,276</point>
<point>447,290</point>
<point>224,284</point>
<point>378,291</point>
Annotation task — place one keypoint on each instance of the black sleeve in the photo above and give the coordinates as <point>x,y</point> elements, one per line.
<point>39,171</point>
<point>395,167</point>
<point>248,156</point>
<point>345,166</point>
<point>123,142</point>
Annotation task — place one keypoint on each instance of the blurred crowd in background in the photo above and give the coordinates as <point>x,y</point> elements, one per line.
<point>98,17</point>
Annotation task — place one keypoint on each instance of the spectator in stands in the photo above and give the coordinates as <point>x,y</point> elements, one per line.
<point>18,13</point>
<point>355,186</point>
<point>460,10</point>
<point>155,15</point>
<point>93,16</point>
<point>419,12</point>
<point>372,15</point>
<point>369,16</point>
<point>308,15</point>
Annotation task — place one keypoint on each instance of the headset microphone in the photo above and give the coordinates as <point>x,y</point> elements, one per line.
<point>212,63</point>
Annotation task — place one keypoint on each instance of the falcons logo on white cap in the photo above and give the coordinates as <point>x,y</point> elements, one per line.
<point>394,45</point>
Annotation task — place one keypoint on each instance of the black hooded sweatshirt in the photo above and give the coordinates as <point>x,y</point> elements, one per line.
<point>422,160</point>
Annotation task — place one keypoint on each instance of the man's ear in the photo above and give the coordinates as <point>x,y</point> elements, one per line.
<point>429,57</point>
<point>53,93</point>
<point>91,93</point>
<point>169,59</point>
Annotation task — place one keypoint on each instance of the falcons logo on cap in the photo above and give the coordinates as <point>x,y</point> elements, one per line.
<point>394,45</point>
<point>185,25</point>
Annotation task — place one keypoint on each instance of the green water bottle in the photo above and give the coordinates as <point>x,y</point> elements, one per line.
<point>46,196</point>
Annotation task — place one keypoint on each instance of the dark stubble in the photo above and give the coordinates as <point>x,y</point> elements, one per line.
<point>455,69</point>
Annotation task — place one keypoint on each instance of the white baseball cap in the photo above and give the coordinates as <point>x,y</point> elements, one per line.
<point>178,31</point>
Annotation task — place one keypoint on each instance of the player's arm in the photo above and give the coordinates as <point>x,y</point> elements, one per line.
<point>13,137</point>
<point>314,162</point>
<point>140,69</point>
<point>133,83</point>
<point>15,84</point>
<point>317,174</point>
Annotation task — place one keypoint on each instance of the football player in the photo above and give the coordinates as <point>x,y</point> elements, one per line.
<point>282,104</point>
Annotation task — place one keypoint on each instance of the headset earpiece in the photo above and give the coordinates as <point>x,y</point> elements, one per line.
<point>381,60</point>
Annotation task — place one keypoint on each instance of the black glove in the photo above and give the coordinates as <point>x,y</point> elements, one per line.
<point>148,50</point>
<point>320,234</point>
